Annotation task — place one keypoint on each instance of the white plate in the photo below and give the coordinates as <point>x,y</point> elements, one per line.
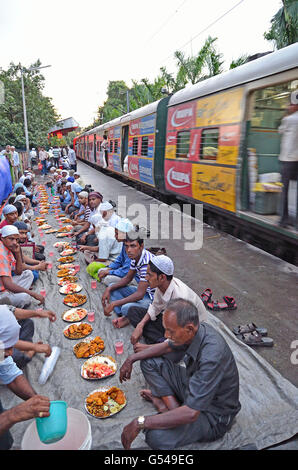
<point>98,360</point>
<point>66,289</point>
<point>88,340</point>
<point>74,310</point>
<point>110,402</point>
<point>77,323</point>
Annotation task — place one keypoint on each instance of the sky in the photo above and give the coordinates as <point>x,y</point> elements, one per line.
<point>90,42</point>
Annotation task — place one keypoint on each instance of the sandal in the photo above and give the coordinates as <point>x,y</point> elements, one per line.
<point>249,328</point>
<point>206,296</point>
<point>255,339</point>
<point>228,304</point>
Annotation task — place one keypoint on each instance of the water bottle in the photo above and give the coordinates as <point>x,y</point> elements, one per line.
<point>49,365</point>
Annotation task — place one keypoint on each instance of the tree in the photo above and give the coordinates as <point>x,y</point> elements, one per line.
<point>240,61</point>
<point>284,25</point>
<point>41,114</point>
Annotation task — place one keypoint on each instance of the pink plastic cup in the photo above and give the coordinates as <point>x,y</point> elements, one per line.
<point>43,243</point>
<point>51,253</point>
<point>93,284</point>
<point>41,234</point>
<point>77,268</point>
<point>50,265</point>
<point>91,316</point>
<point>43,292</point>
<point>119,346</point>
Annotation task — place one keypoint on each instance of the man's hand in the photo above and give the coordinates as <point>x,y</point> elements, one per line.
<point>31,409</point>
<point>38,297</point>
<point>42,266</point>
<point>137,333</point>
<point>108,308</point>
<point>16,250</point>
<point>83,238</point>
<point>43,348</point>
<point>106,296</point>
<point>125,371</point>
<point>82,248</point>
<point>103,273</point>
<point>47,314</point>
<point>129,434</point>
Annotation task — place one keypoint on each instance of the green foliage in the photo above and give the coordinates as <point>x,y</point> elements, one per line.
<point>41,114</point>
<point>240,61</point>
<point>284,25</point>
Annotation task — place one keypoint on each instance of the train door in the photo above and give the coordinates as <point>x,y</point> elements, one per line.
<point>124,144</point>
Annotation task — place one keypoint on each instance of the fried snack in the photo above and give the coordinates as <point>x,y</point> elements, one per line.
<point>74,300</point>
<point>65,272</point>
<point>66,259</point>
<point>63,229</point>
<point>83,350</point>
<point>67,280</point>
<point>78,331</point>
<point>102,404</point>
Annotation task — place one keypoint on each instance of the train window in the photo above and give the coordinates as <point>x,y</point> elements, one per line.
<point>116,146</point>
<point>209,144</point>
<point>135,143</point>
<point>269,105</point>
<point>183,142</point>
<point>111,146</point>
<point>144,150</point>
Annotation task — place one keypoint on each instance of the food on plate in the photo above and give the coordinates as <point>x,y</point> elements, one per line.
<point>66,265</point>
<point>65,272</point>
<point>62,235</point>
<point>74,314</point>
<point>63,229</point>
<point>98,367</point>
<point>66,280</point>
<point>66,259</point>
<point>45,226</point>
<point>68,252</point>
<point>74,300</point>
<point>52,230</point>
<point>89,347</point>
<point>70,288</point>
<point>78,330</point>
<point>63,245</point>
<point>105,402</point>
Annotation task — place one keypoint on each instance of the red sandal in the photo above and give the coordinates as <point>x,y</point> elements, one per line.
<point>206,296</point>
<point>228,304</point>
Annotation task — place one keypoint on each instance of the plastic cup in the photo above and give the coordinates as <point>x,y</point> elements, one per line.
<point>41,234</point>
<point>77,268</point>
<point>43,292</point>
<point>43,243</point>
<point>93,284</point>
<point>119,346</point>
<point>91,316</point>
<point>53,428</point>
<point>51,253</point>
<point>50,265</point>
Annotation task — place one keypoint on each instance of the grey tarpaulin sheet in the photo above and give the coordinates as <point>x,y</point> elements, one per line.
<point>269,413</point>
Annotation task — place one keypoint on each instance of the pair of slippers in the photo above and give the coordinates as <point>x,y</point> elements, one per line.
<point>252,335</point>
<point>228,303</point>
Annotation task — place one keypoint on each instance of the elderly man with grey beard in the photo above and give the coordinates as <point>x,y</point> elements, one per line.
<point>196,399</point>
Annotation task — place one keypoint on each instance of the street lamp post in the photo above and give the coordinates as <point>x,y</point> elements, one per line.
<point>24,102</point>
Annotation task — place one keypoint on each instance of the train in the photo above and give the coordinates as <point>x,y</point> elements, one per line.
<point>215,143</point>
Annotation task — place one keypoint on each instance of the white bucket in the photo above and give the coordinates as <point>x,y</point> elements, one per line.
<point>77,437</point>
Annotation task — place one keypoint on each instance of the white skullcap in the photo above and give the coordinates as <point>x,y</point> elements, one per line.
<point>68,184</point>
<point>105,206</point>
<point>76,188</point>
<point>124,225</point>
<point>20,197</point>
<point>9,208</point>
<point>76,173</point>
<point>8,230</point>
<point>83,194</point>
<point>164,264</point>
<point>294,97</point>
<point>9,327</point>
<point>96,219</point>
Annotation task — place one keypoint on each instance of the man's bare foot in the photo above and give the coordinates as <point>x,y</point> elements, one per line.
<point>120,322</point>
<point>157,402</point>
<point>140,347</point>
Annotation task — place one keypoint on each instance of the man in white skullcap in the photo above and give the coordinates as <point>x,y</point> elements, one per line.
<point>10,375</point>
<point>14,290</point>
<point>148,322</point>
<point>10,215</point>
<point>108,213</point>
<point>289,157</point>
<point>84,210</point>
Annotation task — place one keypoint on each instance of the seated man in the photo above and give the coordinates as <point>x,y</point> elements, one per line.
<point>149,322</point>
<point>82,216</point>
<point>197,399</point>
<point>33,265</point>
<point>86,235</point>
<point>65,197</point>
<point>14,290</point>
<point>74,205</point>
<point>121,296</point>
<point>78,179</point>
<point>120,267</point>
<point>10,375</point>
<point>108,214</point>
<point>10,213</point>
<point>108,249</point>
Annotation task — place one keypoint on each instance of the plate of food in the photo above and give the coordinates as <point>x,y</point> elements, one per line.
<point>66,280</point>
<point>68,252</point>
<point>66,265</point>
<point>66,272</point>
<point>62,235</point>
<point>89,347</point>
<point>52,230</point>
<point>63,229</point>
<point>66,259</point>
<point>74,315</point>
<point>70,288</point>
<point>105,402</point>
<point>67,221</point>
<point>75,300</point>
<point>77,330</point>
<point>98,367</point>
<point>61,245</point>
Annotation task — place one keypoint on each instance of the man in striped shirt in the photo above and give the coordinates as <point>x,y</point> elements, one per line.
<point>121,296</point>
